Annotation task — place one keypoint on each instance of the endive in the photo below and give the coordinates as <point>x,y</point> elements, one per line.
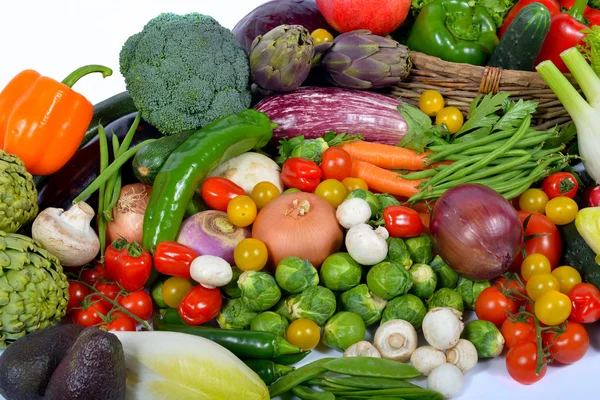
<point>587,222</point>
<point>169,365</point>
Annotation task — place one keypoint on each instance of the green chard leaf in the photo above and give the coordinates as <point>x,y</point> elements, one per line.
<point>421,132</point>
<point>286,147</point>
<point>514,114</point>
<point>564,136</point>
<point>482,114</point>
<point>335,139</point>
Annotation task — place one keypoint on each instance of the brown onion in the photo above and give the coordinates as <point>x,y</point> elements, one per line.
<point>128,214</point>
<point>298,224</point>
<point>476,231</point>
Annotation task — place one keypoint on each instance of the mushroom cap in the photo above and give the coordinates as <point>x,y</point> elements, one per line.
<point>396,340</point>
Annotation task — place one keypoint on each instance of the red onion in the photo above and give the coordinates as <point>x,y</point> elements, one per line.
<point>210,233</point>
<point>476,231</point>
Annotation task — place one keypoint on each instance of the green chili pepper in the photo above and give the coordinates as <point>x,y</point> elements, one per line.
<point>244,344</point>
<point>188,166</point>
<point>267,370</point>
<point>307,393</point>
<point>299,376</point>
<point>171,316</point>
<point>454,31</point>
<point>289,359</point>
<point>372,367</point>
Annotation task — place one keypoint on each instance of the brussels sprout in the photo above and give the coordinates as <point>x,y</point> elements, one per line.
<point>343,330</point>
<point>270,321</point>
<point>281,308</point>
<point>340,272</point>
<point>486,338</point>
<point>420,248</point>
<point>385,200</point>
<point>367,196</point>
<point>446,297</point>
<point>361,301</point>
<point>294,275</point>
<point>316,303</point>
<point>470,290</point>
<point>235,314</point>
<point>311,149</point>
<point>446,276</point>
<point>259,290</point>
<point>232,289</point>
<point>424,280</point>
<point>408,307</point>
<point>398,253</point>
<point>388,280</point>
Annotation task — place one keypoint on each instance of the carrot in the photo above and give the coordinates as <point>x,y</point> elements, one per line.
<point>383,180</point>
<point>386,156</point>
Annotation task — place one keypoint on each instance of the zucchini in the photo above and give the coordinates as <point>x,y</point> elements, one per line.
<point>149,159</point>
<point>521,43</point>
<point>579,255</point>
<point>108,111</point>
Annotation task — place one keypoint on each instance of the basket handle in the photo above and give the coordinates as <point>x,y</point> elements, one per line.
<point>490,80</point>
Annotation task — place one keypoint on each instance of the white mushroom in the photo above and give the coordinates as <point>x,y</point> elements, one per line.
<point>362,349</point>
<point>446,379</point>
<point>367,246</point>
<point>353,212</point>
<point>396,340</point>
<point>463,355</point>
<point>211,271</point>
<point>426,358</point>
<point>442,327</point>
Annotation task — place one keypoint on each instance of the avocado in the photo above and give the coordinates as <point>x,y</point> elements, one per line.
<point>27,365</point>
<point>94,369</point>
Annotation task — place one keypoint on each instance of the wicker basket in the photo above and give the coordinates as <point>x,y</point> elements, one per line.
<point>461,83</point>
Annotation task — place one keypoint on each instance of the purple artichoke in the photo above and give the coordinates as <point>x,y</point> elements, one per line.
<point>281,59</point>
<point>361,60</point>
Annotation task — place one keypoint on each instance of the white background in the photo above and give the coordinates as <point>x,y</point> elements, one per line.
<point>57,36</point>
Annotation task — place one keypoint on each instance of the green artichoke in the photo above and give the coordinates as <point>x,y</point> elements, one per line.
<point>34,291</point>
<point>361,60</point>
<point>18,194</point>
<point>281,59</point>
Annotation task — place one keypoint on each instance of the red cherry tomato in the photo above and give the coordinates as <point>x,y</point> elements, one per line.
<point>300,173</point>
<point>336,164</point>
<point>515,286</point>
<point>138,303</point>
<point>120,322</point>
<point>521,363</point>
<point>110,290</point>
<point>93,275</point>
<point>585,302</point>
<point>402,221</point>
<point>492,305</point>
<point>89,315</point>
<point>217,192</point>
<point>570,346</point>
<point>517,332</point>
<point>560,184</point>
<point>200,305</point>
<point>548,243</point>
<point>77,292</point>
<point>592,196</point>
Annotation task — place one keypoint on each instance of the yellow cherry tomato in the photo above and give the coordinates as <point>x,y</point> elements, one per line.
<point>264,192</point>
<point>352,184</point>
<point>552,308</point>
<point>175,289</point>
<point>567,278</point>
<point>533,200</point>
<point>303,333</point>
<point>561,210</point>
<point>534,264</point>
<point>332,191</point>
<point>250,254</point>
<point>321,36</point>
<point>452,117</point>
<point>539,284</point>
<point>431,102</point>
<point>241,211</point>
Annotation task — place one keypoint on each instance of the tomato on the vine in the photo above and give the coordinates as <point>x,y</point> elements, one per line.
<point>560,184</point>
<point>567,277</point>
<point>301,173</point>
<point>452,117</point>
<point>542,237</point>
<point>120,322</point>
<point>93,275</point>
<point>561,210</point>
<point>535,264</point>
<point>515,332</point>
<point>533,200</point>
<point>512,285</point>
<point>304,333</point>
<point>332,191</point>
<point>217,192</point>
<point>250,254</point>
<point>138,303</point>
<point>351,184</point>
<point>402,222</point>
<point>585,303</point>
<point>539,284</point>
<point>263,192</point>
<point>521,363</point>
<point>552,307</point>
<point>200,305</point>
<point>175,289</point>
<point>431,102</point>
<point>108,289</point>
<point>242,211</point>
<point>336,164</point>
<point>89,314</point>
<point>492,305</point>
<point>77,292</point>
<point>570,346</point>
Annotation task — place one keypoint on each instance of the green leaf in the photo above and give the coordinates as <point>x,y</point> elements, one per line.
<point>335,139</point>
<point>286,147</point>
<point>483,113</point>
<point>564,135</point>
<point>421,131</point>
<point>514,114</point>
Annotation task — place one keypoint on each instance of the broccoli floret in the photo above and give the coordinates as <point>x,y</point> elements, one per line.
<point>185,71</point>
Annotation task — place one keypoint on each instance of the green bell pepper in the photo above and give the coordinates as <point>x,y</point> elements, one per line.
<point>454,31</point>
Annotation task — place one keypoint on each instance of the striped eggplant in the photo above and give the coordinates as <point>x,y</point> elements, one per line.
<point>313,111</point>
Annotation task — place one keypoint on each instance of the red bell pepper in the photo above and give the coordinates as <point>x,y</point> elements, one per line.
<point>551,5</point>
<point>174,259</point>
<point>591,14</point>
<point>565,32</point>
<point>111,254</point>
<point>130,265</point>
<point>300,173</point>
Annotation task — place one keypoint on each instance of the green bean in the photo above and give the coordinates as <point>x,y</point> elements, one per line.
<point>427,173</point>
<point>546,152</point>
<point>326,385</point>
<point>299,376</point>
<point>405,393</point>
<point>373,367</point>
<point>307,393</point>
<point>103,164</point>
<point>374,398</point>
<point>108,212</point>
<point>502,178</point>
<point>130,133</point>
<point>528,142</point>
<point>110,196</point>
<point>369,383</point>
<point>452,168</point>
<point>443,150</point>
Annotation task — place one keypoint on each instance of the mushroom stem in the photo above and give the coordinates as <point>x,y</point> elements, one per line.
<point>396,340</point>
<point>452,355</point>
<point>79,216</point>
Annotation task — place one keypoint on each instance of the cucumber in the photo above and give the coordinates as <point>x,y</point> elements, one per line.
<point>521,43</point>
<point>108,111</point>
<point>150,158</point>
<point>579,255</point>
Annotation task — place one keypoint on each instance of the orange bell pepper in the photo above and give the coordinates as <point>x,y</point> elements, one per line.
<point>43,121</point>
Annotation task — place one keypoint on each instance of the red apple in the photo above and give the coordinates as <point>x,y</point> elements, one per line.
<point>379,16</point>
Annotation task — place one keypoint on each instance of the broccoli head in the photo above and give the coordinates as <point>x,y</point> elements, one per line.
<point>185,71</point>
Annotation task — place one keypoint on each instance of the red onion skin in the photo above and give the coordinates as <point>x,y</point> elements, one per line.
<point>209,233</point>
<point>476,231</point>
